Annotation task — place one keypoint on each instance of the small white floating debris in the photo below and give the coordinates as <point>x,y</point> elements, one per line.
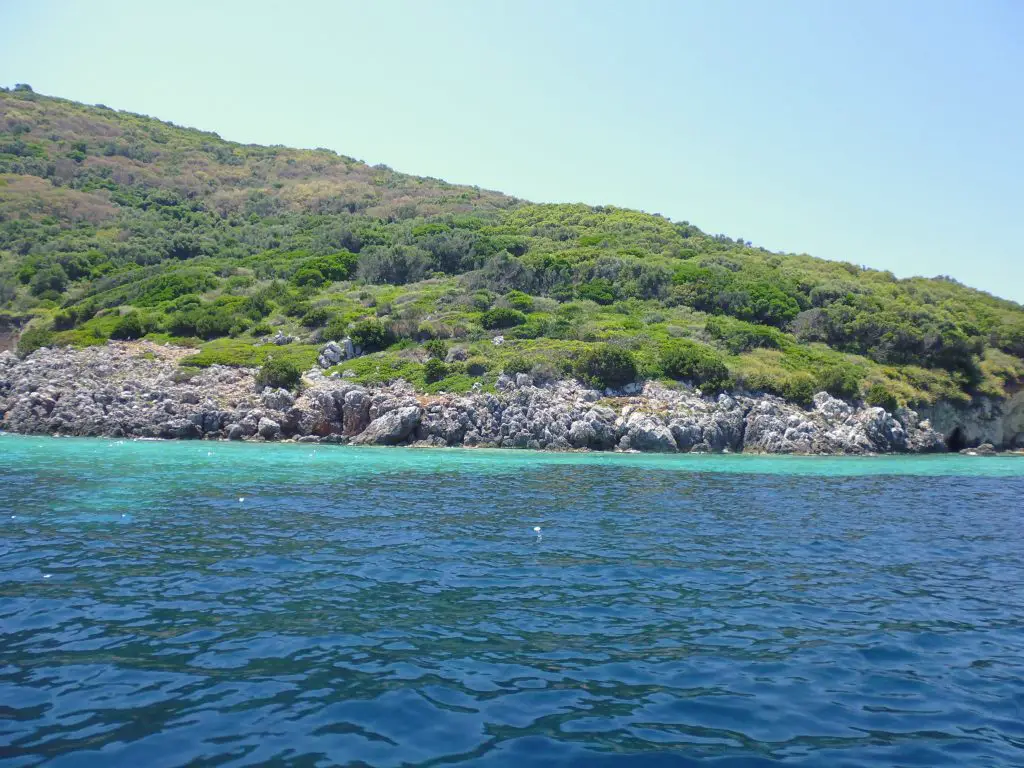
<point>47,575</point>
<point>241,499</point>
<point>209,453</point>
<point>536,529</point>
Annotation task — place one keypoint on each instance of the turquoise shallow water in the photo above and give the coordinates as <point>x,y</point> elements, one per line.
<point>395,607</point>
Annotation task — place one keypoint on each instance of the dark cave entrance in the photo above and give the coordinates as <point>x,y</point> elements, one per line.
<point>956,441</point>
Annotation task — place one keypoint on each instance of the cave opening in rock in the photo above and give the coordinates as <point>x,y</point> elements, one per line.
<point>956,441</point>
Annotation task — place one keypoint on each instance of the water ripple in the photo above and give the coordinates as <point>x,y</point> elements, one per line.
<point>396,608</point>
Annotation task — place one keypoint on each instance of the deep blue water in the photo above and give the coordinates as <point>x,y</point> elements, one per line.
<point>395,607</point>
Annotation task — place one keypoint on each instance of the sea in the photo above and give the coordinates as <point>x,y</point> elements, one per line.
<point>207,603</point>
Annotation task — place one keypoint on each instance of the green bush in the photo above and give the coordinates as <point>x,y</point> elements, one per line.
<point>840,381</point>
<point>477,366</point>
<point>336,329</point>
<point>316,317</point>
<point>797,388</point>
<point>434,370</point>
<point>516,364</point>
<point>173,285</point>
<point>602,291</point>
<point>880,396</point>
<point>310,277</point>
<point>605,366</point>
<point>129,326</point>
<point>437,349</point>
<point>739,336</point>
<point>533,328</point>
<point>278,373</point>
<point>682,359</point>
<point>482,300</point>
<point>519,300</point>
<point>34,337</point>
<point>500,317</point>
<point>372,336</point>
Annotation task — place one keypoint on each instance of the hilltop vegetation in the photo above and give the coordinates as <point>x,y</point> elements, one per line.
<point>115,225</point>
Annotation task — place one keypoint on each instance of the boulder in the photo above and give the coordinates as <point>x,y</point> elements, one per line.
<point>391,428</point>
<point>644,432</point>
<point>277,399</point>
<point>268,429</point>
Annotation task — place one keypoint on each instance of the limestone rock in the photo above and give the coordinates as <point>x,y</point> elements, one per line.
<point>391,428</point>
<point>268,429</point>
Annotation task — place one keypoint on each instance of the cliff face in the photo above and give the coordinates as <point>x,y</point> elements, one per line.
<point>138,390</point>
<point>999,422</point>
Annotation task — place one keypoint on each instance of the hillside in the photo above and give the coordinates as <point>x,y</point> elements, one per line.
<point>116,225</point>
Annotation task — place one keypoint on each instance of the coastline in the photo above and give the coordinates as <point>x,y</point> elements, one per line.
<point>135,390</point>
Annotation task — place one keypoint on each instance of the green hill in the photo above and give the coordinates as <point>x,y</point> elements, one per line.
<point>116,225</point>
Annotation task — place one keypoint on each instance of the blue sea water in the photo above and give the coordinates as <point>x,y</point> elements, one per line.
<point>168,604</point>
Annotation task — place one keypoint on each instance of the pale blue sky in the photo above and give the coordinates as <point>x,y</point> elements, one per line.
<point>889,134</point>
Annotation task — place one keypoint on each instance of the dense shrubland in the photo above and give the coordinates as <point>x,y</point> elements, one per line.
<point>114,225</point>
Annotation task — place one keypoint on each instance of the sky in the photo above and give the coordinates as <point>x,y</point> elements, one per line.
<point>885,133</point>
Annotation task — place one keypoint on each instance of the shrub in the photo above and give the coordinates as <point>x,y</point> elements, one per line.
<point>500,317</point>
<point>278,373</point>
<point>519,300</point>
<point>533,328</point>
<point>600,290</point>
<point>434,370</point>
<point>397,264</point>
<point>605,366</point>
<point>740,337</point>
<point>34,337</point>
<point>799,388</point>
<point>694,362</point>
<point>840,381</point>
<point>516,364</point>
<point>129,326</point>
<point>316,317</point>
<point>336,329</point>
<point>52,278</point>
<point>477,366</point>
<point>482,300</point>
<point>171,286</point>
<point>309,277</point>
<point>336,266</point>
<point>372,335</point>
<point>437,349</point>
<point>880,396</point>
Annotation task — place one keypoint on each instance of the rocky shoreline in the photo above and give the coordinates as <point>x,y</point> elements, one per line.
<point>137,389</point>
